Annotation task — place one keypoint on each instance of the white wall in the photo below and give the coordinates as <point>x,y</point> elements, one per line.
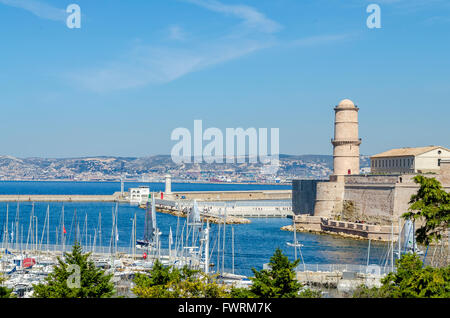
<point>429,161</point>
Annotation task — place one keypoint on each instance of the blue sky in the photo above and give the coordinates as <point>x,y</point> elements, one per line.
<point>136,70</point>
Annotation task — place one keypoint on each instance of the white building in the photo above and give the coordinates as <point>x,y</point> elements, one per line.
<point>410,160</point>
<point>139,195</point>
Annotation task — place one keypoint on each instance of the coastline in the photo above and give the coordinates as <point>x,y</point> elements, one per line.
<point>289,228</point>
<point>155,181</point>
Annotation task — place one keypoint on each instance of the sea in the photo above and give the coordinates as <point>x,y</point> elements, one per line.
<point>247,246</point>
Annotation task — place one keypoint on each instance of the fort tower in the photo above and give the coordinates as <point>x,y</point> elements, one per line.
<point>346,140</point>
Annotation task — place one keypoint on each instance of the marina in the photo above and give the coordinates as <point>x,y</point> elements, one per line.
<point>35,230</point>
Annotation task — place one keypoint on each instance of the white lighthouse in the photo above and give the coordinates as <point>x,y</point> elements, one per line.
<point>168,189</point>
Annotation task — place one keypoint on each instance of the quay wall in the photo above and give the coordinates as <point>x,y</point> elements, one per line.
<point>231,195</point>
<point>59,198</point>
<point>194,195</point>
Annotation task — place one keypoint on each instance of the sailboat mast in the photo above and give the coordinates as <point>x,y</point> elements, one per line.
<point>207,248</point>
<point>232,248</point>
<point>218,244</point>
<point>295,239</point>
<point>6,231</point>
<point>17,223</point>
<point>134,241</point>
<point>85,230</point>
<point>392,246</point>
<point>223,243</point>
<point>399,237</point>
<point>63,237</point>
<point>48,227</point>
<point>100,229</point>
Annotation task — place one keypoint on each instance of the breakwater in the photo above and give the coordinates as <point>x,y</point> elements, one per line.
<point>60,198</point>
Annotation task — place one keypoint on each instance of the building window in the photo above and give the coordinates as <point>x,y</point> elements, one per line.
<point>439,162</point>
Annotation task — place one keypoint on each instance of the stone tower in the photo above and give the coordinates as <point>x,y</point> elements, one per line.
<point>346,139</point>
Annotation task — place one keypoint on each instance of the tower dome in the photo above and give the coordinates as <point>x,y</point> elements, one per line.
<point>346,103</point>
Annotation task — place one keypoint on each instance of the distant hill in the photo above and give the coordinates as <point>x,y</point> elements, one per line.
<point>155,167</point>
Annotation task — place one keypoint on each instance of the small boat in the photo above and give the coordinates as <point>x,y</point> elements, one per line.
<point>296,244</point>
<point>144,244</point>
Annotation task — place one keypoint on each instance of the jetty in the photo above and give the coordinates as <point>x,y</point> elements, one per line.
<point>182,210</point>
<point>116,197</point>
<point>125,196</point>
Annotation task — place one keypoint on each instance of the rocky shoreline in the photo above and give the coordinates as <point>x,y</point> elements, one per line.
<point>215,220</point>
<point>289,228</point>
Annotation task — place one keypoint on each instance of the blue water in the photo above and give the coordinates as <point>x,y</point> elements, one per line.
<point>106,188</point>
<point>254,244</point>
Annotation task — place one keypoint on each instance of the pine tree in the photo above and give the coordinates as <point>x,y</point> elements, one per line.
<point>278,281</point>
<point>93,282</point>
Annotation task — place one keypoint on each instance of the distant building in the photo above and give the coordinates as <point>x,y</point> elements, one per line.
<point>139,195</point>
<point>409,160</point>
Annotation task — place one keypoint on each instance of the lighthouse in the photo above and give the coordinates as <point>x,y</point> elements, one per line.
<point>346,140</point>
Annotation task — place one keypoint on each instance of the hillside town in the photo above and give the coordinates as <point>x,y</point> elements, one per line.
<point>154,168</point>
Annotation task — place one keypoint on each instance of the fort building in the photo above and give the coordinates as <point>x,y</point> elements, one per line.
<point>364,205</point>
<point>410,160</point>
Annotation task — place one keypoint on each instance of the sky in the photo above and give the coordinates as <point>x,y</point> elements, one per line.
<point>136,70</point>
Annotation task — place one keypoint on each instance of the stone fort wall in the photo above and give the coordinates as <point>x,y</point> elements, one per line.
<point>372,198</point>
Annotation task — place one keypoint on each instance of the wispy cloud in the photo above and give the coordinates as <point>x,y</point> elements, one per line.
<point>177,33</point>
<point>39,9</point>
<point>251,17</point>
<point>320,40</point>
<point>150,64</point>
<point>157,65</point>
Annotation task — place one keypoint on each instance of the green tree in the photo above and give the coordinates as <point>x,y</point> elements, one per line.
<point>5,292</point>
<point>411,280</point>
<point>431,205</point>
<point>171,282</point>
<point>93,282</point>
<point>278,281</point>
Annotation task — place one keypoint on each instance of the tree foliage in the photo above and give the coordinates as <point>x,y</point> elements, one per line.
<point>278,281</point>
<point>94,283</point>
<point>5,292</point>
<point>171,282</point>
<point>432,205</point>
<point>411,280</point>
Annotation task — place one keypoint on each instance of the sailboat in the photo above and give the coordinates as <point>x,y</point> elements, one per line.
<point>409,239</point>
<point>295,244</point>
<point>150,230</point>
